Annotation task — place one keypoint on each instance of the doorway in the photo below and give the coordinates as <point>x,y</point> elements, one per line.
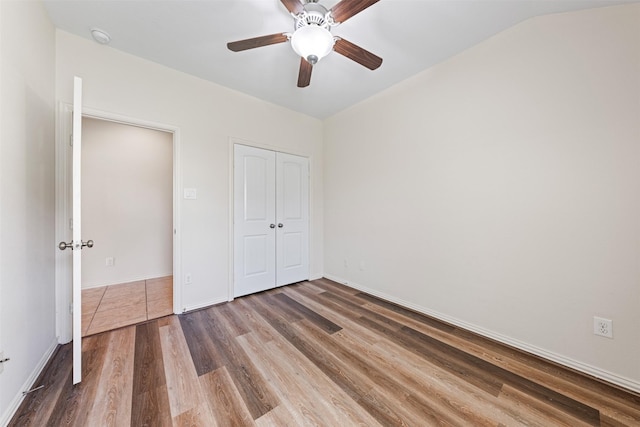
<point>64,212</point>
<point>127,200</point>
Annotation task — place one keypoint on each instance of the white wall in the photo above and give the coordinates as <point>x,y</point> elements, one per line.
<point>207,115</point>
<point>27,287</point>
<point>500,189</point>
<point>127,202</point>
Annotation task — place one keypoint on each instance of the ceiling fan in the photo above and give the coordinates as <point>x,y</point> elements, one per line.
<point>312,38</point>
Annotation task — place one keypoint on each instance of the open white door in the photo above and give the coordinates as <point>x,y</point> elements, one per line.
<point>77,244</point>
<point>77,230</point>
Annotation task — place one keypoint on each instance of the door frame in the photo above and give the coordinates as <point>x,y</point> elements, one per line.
<point>233,141</point>
<point>64,320</point>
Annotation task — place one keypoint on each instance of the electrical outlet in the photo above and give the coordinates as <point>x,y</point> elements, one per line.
<point>346,264</point>
<point>109,261</point>
<point>187,279</point>
<point>602,327</point>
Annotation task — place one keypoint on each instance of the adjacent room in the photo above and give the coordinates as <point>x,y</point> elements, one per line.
<point>353,212</point>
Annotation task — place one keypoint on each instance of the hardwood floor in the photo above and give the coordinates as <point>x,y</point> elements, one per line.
<point>111,307</point>
<point>314,353</point>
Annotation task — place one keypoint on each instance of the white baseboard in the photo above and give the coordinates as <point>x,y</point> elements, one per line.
<point>28,385</point>
<point>551,356</point>
<point>203,305</point>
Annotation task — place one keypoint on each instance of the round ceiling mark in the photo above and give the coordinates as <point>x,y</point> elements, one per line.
<point>100,36</point>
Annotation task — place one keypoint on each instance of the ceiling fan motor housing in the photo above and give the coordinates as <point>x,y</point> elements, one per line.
<point>314,14</point>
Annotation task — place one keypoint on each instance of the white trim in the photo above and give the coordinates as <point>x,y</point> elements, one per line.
<point>28,384</point>
<point>548,355</point>
<point>63,267</point>
<point>203,305</point>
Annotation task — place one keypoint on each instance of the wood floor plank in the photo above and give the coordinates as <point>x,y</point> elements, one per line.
<point>150,403</point>
<point>41,405</point>
<point>355,384</point>
<point>333,312</point>
<point>452,400</point>
<point>455,367</point>
<point>180,373</point>
<point>557,400</point>
<point>292,392</point>
<point>323,323</point>
<point>235,323</point>
<point>277,417</point>
<point>151,408</point>
<point>203,351</point>
<point>537,412</point>
<point>406,312</point>
<point>224,399</point>
<point>252,387</point>
<point>315,353</point>
<point>76,401</point>
<point>555,377</point>
<point>112,405</point>
<point>322,359</point>
<point>336,288</point>
<point>382,373</point>
<point>254,321</point>
<point>459,368</point>
<point>198,416</point>
<point>301,386</point>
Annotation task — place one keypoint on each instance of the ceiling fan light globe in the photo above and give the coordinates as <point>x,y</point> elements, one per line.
<point>312,42</point>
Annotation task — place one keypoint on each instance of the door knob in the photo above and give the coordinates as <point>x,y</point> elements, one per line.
<point>62,246</point>
<point>280,225</point>
<point>272,226</point>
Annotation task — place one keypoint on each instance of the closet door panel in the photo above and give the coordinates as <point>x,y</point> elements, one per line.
<point>254,220</point>
<point>292,211</point>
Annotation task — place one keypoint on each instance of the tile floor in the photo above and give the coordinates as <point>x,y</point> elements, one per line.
<point>115,306</point>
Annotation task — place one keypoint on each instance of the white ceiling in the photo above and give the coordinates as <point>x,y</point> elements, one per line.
<point>191,36</point>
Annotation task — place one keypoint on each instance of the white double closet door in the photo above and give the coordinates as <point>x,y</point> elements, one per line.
<point>271,219</point>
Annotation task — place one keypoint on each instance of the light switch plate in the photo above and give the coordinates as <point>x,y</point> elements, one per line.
<point>190,193</point>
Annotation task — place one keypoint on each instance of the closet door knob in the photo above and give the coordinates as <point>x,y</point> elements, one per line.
<point>280,225</point>
<point>272,226</point>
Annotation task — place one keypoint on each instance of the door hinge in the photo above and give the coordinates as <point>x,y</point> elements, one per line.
<point>70,223</point>
<point>71,140</point>
<point>71,308</point>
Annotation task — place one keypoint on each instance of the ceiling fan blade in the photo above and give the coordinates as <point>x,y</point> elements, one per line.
<point>347,8</point>
<point>256,42</point>
<point>304,76</point>
<point>293,6</point>
<point>357,54</point>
